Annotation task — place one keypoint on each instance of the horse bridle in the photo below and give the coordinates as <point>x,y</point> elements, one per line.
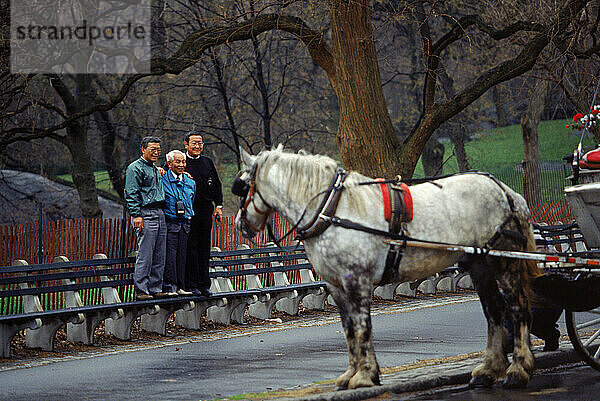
<point>320,221</point>
<point>246,192</point>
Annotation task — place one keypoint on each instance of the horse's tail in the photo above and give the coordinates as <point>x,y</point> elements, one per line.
<point>529,268</point>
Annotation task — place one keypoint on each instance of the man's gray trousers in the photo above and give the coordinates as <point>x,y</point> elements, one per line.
<point>150,262</point>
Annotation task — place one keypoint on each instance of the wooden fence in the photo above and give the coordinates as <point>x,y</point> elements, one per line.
<point>80,239</point>
<point>552,212</point>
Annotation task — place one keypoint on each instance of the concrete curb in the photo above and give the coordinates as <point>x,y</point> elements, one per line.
<point>430,377</point>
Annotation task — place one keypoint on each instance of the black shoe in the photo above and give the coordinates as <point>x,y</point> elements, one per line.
<point>196,292</point>
<point>206,292</point>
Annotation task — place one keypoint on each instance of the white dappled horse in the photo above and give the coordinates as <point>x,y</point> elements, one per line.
<point>466,209</point>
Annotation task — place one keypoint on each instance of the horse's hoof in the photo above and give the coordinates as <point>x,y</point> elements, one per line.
<point>482,381</point>
<point>515,381</point>
<point>341,383</point>
<point>362,379</point>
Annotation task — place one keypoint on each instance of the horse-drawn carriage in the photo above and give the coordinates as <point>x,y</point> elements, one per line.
<point>359,232</point>
<point>582,300</point>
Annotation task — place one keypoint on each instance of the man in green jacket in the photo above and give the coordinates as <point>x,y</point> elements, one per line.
<point>145,197</point>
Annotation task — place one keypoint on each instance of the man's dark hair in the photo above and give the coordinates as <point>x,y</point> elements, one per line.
<point>149,139</point>
<point>191,133</point>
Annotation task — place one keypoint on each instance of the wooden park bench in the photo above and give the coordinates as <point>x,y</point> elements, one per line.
<point>83,294</point>
<point>23,288</point>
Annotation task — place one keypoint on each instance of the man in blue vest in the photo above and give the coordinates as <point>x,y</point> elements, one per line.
<point>180,191</point>
<point>144,196</point>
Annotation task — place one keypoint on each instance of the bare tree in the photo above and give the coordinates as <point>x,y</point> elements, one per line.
<point>365,134</point>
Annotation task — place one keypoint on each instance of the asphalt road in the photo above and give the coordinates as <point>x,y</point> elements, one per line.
<point>253,363</point>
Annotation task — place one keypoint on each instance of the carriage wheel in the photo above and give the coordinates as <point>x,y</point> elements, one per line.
<point>584,333</point>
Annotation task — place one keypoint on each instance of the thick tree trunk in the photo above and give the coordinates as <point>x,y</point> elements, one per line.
<point>413,146</point>
<point>76,141</point>
<point>532,175</point>
<point>457,135</point>
<point>365,136</point>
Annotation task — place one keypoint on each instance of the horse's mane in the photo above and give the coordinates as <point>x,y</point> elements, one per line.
<point>307,174</point>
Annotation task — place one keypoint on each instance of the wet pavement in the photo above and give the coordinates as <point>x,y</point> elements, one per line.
<point>575,381</point>
<point>420,344</point>
<point>448,379</point>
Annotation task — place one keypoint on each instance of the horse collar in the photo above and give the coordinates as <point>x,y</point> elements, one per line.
<point>322,218</point>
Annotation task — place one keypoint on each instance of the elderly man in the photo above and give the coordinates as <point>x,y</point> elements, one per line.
<point>144,196</point>
<point>180,191</point>
<point>208,193</point>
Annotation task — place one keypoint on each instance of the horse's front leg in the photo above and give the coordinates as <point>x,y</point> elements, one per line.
<point>358,290</point>
<point>367,374</point>
<point>494,360</point>
<point>343,307</point>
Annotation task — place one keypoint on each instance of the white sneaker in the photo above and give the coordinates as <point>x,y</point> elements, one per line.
<point>183,292</point>
<point>172,294</point>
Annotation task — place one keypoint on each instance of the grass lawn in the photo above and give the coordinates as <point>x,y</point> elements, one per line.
<point>503,147</point>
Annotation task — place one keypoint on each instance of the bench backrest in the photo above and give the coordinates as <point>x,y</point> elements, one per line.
<point>51,280</point>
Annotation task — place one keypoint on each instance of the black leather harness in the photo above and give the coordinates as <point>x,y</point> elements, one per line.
<point>322,218</point>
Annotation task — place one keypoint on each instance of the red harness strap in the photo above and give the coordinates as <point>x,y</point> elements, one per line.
<point>387,202</point>
<point>408,202</point>
<point>385,192</point>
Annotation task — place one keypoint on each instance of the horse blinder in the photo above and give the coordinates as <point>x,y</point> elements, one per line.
<point>240,187</point>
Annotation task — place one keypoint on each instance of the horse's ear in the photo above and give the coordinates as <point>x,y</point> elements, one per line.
<point>247,159</point>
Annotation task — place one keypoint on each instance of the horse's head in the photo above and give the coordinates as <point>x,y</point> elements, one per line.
<point>254,210</point>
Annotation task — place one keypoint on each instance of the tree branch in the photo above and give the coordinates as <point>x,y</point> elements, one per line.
<point>456,32</point>
<point>188,54</point>
<point>509,69</point>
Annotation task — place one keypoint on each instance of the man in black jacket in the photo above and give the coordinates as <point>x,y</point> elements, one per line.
<point>208,195</point>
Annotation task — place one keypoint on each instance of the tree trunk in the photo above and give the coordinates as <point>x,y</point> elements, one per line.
<point>222,88</point>
<point>457,135</point>
<point>112,157</point>
<point>433,158</point>
<point>532,175</point>
<point>83,174</point>
<point>365,136</point>
<point>500,110</point>
<point>264,94</point>
<point>76,140</point>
